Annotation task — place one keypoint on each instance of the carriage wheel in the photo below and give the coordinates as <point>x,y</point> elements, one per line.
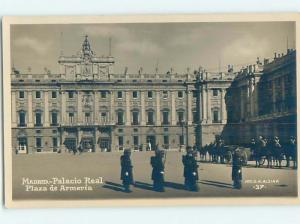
<point>262,161</point>
<point>228,157</point>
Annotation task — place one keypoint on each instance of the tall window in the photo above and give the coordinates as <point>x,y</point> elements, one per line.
<point>165,117</point>
<point>150,94</point>
<point>166,140</point>
<point>54,94</point>
<point>135,140</point>
<point>103,117</point>
<point>71,94</point>
<point>38,142</point>
<point>135,117</point>
<point>180,115</point>
<point>54,142</point>
<point>54,118</point>
<point>120,116</point>
<point>120,94</point>
<point>22,119</point>
<point>216,118</point>
<point>134,94</point>
<point>21,94</point>
<point>38,119</point>
<point>38,94</point>
<point>194,117</point>
<point>181,139</point>
<point>71,118</point>
<point>103,94</point>
<point>215,92</point>
<point>180,94</point>
<point>87,117</point>
<point>150,117</point>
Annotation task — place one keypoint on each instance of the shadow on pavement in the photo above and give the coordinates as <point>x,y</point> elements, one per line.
<point>143,185</point>
<point>113,186</point>
<point>174,185</point>
<point>216,184</point>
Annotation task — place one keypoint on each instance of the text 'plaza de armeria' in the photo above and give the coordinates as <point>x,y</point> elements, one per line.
<point>87,105</point>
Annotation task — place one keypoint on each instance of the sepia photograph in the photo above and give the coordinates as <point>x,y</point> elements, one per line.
<point>148,109</point>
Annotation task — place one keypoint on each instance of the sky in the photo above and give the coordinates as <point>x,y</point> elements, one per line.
<point>164,45</point>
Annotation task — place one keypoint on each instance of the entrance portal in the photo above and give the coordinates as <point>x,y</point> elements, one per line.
<point>70,144</point>
<point>87,145</point>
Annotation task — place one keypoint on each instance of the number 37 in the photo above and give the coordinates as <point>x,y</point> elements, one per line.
<point>258,186</point>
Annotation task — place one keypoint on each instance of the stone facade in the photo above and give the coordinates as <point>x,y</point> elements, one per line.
<point>262,100</point>
<point>89,106</point>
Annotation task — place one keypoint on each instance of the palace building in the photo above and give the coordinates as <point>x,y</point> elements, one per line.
<point>90,107</point>
<point>262,100</point>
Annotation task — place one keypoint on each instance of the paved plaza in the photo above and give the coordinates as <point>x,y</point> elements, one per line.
<point>97,176</point>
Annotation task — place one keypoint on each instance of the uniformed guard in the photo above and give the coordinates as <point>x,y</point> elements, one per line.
<point>190,171</point>
<point>158,170</point>
<point>126,170</point>
<point>291,152</point>
<point>237,169</point>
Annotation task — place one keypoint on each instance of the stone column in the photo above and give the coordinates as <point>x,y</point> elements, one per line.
<point>143,112</point>
<point>96,107</point>
<point>112,107</point>
<point>242,103</point>
<point>173,108</point>
<point>127,99</point>
<point>63,107</point>
<point>204,108</point>
<point>189,111</point>
<point>274,95</point>
<point>208,106</point>
<point>158,122</point>
<point>223,107</point>
<point>13,109</point>
<point>30,114</point>
<point>46,109</point>
<point>283,94</point>
<point>200,106</point>
<point>79,107</point>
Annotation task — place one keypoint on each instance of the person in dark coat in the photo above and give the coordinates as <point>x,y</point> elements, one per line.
<point>237,169</point>
<point>126,170</point>
<point>190,171</point>
<point>291,152</point>
<point>158,170</point>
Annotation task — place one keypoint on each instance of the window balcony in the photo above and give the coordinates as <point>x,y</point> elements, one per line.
<point>22,125</point>
<point>38,125</point>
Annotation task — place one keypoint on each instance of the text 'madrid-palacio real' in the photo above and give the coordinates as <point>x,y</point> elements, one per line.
<point>87,105</point>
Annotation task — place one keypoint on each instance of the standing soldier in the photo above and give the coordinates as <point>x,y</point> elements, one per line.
<point>126,170</point>
<point>190,171</point>
<point>237,169</point>
<point>158,170</point>
<point>291,152</point>
<point>261,149</point>
<point>255,152</point>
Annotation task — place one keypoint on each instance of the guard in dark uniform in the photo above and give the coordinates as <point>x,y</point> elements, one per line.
<point>190,171</point>
<point>237,169</point>
<point>158,170</point>
<point>126,170</point>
